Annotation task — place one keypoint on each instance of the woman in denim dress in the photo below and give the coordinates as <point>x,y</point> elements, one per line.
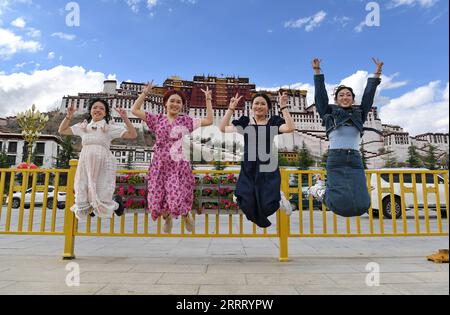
<point>345,192</point>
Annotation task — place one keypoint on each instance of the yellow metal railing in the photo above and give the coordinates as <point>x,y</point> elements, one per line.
<point>422,210</point>
<point>419,221</point>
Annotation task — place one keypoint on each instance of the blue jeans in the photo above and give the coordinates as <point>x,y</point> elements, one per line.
<point>346,189</point>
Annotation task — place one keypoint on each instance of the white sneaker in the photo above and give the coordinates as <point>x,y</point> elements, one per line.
<point>235,199</point>
<point>318,190</point>
<point>285,205</point>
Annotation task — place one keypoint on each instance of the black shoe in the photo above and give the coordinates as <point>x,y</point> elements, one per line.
<point>92,215</point>
<point>120,211</point>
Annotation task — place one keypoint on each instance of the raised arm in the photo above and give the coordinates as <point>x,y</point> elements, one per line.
<point>225,125</point>
<point>289,126</point>
<point>321,96</point>
<point>137,107</point>
<point>131,131</point>
<point>64,128</point>
<point>371,89</point>
<point>209,120</point>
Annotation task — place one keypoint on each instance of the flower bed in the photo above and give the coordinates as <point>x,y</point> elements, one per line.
<point>133,190</point>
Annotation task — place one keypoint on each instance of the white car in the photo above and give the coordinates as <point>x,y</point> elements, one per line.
<point>408,196</point>
<point>39,198</point>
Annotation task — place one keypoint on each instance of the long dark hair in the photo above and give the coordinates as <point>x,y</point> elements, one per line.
<point>108,117</point>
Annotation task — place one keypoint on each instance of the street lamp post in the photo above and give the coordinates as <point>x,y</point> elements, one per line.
<point>32,122</point>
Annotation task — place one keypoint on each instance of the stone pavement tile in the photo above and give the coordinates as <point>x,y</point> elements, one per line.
<point>346,290</point>
<point>432,277</point>
<point>40,288</point>
<point>145,260</point>
<point>400,260</point>
<point>166,268</point>
<point>119,277</point>
<point>247,290</point>
<point>103,267</point>
<point>4,284</point>
<point>328,261</point>
<point>359,279</point>
<point>139,289</point>
<point>244,268</point>
<point>288,279</point>
<point>219,279</point>
<point>436,267</point>
<point>34,275</point>
<point>395,268</point>
<point>422,289</point>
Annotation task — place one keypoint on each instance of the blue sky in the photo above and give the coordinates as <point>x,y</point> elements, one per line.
<point>133,40</point>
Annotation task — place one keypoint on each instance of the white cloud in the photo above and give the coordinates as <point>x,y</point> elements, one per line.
<point>64,36</point>
<point>51,55</point>
<point>19,22</point>
<point>310,22</point>
<point>357,81</point>
<point>151,4</point>
<point>360,27</point>
<point>32,32</point>
<point>425,109</point>
<point>134,5</point>
<point>46,88</point>
<point>422,3</point>
<point>5,5</point>
<point>343,20</point>
<point>11,44</point>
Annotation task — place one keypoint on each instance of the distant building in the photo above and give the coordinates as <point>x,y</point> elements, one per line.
<point>306,118</point>
<point>45,149</point>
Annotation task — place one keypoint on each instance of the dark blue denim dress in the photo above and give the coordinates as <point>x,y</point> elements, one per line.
<point>258,189</point>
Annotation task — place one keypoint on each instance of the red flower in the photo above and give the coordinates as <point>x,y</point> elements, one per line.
<point>131,190</point>
<point>142,192</point>
<point>121,191</point>
<point>128,203</point>
<point>26,166</point>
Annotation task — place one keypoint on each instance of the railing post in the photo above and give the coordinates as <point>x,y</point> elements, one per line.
<point>69,216</point>
<point>283,224</point>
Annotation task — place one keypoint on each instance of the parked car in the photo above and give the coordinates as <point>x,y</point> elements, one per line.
<point>39,198</point>
<point>294,198</point>
<point>408,197</point>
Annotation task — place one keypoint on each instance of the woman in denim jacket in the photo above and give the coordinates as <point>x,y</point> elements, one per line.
<point>345,192</point>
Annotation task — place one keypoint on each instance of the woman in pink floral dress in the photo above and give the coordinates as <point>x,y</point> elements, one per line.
<point>170,179</point>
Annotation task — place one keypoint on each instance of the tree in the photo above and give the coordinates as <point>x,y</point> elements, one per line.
<point>443,162</point>
<point>4,163</point>
<point>282,160</point>
<point>414,158</point>
<point>129,165</point>
<point>66,153</point>
<point>363,156</point>
<point>305,160</point>
<point>430,159</point>
<point>390,160</point>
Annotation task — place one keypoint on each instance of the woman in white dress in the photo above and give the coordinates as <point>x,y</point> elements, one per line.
<point>95,179</point>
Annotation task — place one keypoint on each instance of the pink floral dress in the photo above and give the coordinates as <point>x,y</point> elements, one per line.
<point>170,179</point>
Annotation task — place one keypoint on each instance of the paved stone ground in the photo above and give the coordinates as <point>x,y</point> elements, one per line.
<point>33,265</point>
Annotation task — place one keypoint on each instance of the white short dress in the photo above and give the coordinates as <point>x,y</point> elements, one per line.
<point>95,179</point>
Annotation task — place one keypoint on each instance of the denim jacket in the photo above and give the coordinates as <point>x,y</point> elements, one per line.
<point>333,116</point>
